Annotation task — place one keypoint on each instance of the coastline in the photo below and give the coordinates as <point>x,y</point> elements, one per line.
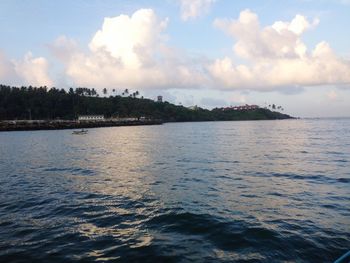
<point>36,125</point>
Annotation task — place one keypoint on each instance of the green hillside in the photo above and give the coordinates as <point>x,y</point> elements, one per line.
<point>42,103</point>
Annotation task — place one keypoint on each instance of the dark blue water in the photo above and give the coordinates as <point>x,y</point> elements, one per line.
<point>265,191</point>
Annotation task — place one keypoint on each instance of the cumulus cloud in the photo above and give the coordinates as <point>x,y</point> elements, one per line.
<point>276,56</point>
<point>27,71</point>
<point>63,48</point>
<point>131,40</point>
<point>191,9</point>
<point>129,52</point>
<point>132,52</point>
<point>281,40</point>
<point>7,71</point>
<point>34,71</point>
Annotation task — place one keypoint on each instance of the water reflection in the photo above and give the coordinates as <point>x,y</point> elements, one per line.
<point>224,191</point>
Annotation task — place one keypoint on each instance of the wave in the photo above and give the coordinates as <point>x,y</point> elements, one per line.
<point>315,178</point>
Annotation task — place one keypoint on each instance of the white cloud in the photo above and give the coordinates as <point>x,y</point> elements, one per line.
<point>281,40</point>
<point>63,48</point>
<point>33,71</point>
<point>132,52</point>
<point>193,8</point>
<point>131,40</point>
<point>27,71</point>
<point>276,56</point>
<point>7,71</point>
<point>129,52</point>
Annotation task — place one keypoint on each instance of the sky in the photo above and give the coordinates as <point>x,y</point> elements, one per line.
<point>210,53</point>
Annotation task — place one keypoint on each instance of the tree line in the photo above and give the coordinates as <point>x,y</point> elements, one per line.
<point>44,103</point>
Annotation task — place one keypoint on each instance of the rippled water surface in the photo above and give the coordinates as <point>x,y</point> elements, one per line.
<point>265,191</point>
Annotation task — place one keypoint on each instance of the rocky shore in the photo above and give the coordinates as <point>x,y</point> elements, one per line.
<point>29,125</point>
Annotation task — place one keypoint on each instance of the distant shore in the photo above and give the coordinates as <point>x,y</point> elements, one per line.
<point>35,125</point>
<point>27,125</point>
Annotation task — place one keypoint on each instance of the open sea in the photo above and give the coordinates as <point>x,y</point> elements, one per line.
<point>250,191</point>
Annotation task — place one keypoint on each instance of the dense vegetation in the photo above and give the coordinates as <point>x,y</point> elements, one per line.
<point>42,103</point>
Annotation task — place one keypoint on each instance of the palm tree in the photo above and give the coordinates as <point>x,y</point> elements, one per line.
<point>93,92</point>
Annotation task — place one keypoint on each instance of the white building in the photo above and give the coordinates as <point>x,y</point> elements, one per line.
<point>91,117</point>
<point>125,119</point>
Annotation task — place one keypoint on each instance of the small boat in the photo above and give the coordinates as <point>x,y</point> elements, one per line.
<point>82,131</point>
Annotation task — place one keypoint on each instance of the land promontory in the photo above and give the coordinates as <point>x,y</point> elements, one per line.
<point>41,103</point>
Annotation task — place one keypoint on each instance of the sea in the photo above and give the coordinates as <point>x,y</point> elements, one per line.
<point>242,191</point>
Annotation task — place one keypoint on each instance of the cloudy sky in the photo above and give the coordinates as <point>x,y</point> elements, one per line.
<point>294,53</point>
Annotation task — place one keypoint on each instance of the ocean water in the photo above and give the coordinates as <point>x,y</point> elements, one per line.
<point>254,191</point>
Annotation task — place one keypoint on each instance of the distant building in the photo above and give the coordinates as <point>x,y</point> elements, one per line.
<point>239,108</point>
<point>195,107</point>
<point>124,119</point>
<point>91,117</point>
<point>160,99</point>
<point>127,119</point>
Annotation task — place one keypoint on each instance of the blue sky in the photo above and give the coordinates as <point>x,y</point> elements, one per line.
<point>205,52</point>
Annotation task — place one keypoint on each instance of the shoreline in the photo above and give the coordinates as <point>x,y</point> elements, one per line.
<point>39,125</point>
<point>66,125</point>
